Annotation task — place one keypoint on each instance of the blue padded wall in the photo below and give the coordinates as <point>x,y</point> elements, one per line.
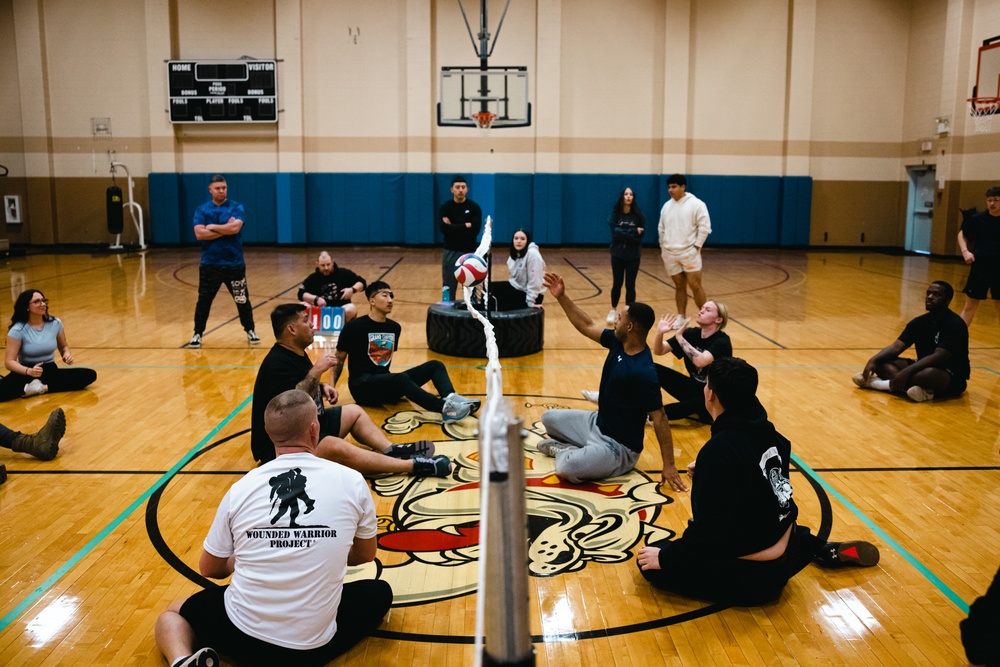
<point>558,209</point>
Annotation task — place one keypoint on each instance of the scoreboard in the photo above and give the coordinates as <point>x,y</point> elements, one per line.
<point>222,91</point>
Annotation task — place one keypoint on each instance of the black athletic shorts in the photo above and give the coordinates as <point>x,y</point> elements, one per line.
<point>984,277</point>
<point>956,385</point>
<point>329,422</point>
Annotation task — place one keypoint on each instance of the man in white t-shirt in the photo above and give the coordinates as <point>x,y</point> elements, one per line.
<point>293,525</point>
<point>684,226</point>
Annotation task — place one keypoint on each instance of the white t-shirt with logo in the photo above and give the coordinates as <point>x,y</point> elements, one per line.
<point>289,575</point>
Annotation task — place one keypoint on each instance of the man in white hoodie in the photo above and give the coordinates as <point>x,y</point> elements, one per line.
<point>684,226</point>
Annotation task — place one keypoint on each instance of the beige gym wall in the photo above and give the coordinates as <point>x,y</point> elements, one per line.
<point>844,91</point>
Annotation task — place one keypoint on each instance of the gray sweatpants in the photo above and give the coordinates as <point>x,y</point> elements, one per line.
<point>593,455</point>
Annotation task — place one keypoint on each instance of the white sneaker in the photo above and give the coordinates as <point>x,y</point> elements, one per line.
<point>919,394</point>
<point>591,395</point>
<point>610,319</point>
<point>678,322</point>
<point>34,388</point>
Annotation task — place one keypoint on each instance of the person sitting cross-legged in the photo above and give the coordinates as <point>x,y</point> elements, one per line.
<point>941,369</point>
<point>287,603</point>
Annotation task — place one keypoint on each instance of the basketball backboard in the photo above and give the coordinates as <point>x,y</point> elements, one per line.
<point>988,69</point>
<point>502,91</point>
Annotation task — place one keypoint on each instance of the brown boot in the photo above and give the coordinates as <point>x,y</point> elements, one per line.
<point>44,444</point>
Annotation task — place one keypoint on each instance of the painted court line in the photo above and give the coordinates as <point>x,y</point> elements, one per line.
<point>97,539</point>
<point>896,546</point>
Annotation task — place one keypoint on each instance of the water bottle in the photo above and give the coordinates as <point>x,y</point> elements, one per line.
<point>445,294</point>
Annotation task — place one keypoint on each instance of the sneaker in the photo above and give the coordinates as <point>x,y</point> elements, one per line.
<point>549,447</point>
<point>423,448</point>
<point>435,466</point>
<point>859,379</point>
<point>919,394</point>
<point>252,337</point>
<point>841,554</point>
<point>610,319</point>
<point>678,322</point>
<point>458,407</point>
<point>591,395</point>
<point>195,341</point>
<point>34,388</point>
<point>204,657</point>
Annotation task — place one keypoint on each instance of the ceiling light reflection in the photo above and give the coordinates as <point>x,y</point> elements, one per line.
<point>52,619</point>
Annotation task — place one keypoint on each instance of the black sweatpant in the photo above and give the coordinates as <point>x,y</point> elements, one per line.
<point>210,277</point>
<point>378,389</point>
<point>623,270</point>
<point>58,379</point>
<point>690,394</point>
<point>694,573</point>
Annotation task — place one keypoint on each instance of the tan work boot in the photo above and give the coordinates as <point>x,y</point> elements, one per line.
<point>44,444</point>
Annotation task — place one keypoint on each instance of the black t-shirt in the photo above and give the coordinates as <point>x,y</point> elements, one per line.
<point>456,235</point>
<point>951,333</point>
<point>741,496</point>
<point>280,371</point>
<point>718,345</point>
<point>626,241</point>
<point>329,287</point>
<point>629,391</point>
<point>982,232</point>
<point>369,346</point>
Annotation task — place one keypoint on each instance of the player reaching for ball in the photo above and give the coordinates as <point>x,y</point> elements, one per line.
<point>368,344</point>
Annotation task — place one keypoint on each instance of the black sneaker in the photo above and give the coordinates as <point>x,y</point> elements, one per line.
<point>424,448</point>
<point>842,554</point>
<point>195,341</point>
<point>205,657</point>
<point>436,466</point>
<point>252,337</point>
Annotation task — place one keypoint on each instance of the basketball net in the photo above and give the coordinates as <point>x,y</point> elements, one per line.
<point>492,431</point>
<point>484,121</point>
<point>982,109</point>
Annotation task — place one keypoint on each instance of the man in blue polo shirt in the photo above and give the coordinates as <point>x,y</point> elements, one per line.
<point>217,224</point>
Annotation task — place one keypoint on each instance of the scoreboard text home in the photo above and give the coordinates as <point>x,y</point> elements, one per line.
<point>222,91</point>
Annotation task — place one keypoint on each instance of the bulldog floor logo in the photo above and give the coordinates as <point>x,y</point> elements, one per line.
<point>429,540</point>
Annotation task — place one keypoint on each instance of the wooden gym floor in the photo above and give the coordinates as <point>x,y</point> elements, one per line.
<point>94,544</point>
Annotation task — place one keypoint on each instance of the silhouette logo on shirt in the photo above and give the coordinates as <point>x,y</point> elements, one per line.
<point>380,347</point>
<point>287,489</point>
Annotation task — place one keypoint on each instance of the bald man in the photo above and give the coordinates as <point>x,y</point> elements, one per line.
<point>331,285</point>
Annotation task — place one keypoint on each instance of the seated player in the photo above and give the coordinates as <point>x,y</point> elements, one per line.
<point>368,344</point>
<point>606,443</point>
<point>526,269</point>
<point>331,285</point>
<point>742,544</point>
<point>287,603</point>
<point>942,365</point>
<point>699,347</point>
<point>286,366</point>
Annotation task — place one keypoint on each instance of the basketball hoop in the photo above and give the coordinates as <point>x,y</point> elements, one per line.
<point>982,110</point>
<point>484,121</point>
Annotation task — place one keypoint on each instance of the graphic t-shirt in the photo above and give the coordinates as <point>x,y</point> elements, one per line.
<point>369,346</point>
<point>291,524</point>
<point>629,391</point>
<point>329,287</point>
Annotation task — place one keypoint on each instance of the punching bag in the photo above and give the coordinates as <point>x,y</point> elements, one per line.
<point>115,210</point>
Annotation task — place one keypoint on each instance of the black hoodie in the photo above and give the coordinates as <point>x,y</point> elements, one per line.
<point>741,497</point>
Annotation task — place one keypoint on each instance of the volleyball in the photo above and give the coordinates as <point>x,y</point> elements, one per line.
<point>470,269</point>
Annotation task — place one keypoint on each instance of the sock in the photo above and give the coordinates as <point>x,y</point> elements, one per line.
<point>881,385</point>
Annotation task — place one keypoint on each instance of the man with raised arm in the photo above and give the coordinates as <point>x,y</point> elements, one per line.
<point>287,366</point>
<point>741,545</point>
<point>287,603</point>
<point>606,443</point>
<point>218,224</point>
<point>941,369</point>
